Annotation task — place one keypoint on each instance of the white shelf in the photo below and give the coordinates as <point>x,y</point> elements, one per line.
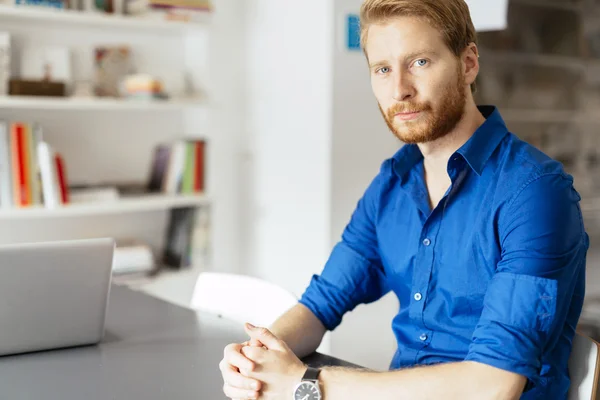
<point>74,17</point>
<point>82,104</point>
<point>121,206</point>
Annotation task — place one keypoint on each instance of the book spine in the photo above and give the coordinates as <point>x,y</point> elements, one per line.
<point>51,193</point>
<point>35,183</point>
<point>175,169</point>
<point>199,178</point>
<point>62,178</point>
<point>188,176</point>
<point>18,157</point>
<point>26,157</point>
<point>6,200</point>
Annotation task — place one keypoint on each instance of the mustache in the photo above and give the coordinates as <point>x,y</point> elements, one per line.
<point>407,108</point>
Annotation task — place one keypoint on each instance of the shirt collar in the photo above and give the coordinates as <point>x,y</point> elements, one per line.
<point>476,151</point>
<point>480,147</point>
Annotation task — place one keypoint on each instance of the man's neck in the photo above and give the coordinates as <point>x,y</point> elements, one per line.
<point>437,153</point>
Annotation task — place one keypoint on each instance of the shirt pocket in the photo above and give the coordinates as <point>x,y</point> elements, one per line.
<point>521,301</point>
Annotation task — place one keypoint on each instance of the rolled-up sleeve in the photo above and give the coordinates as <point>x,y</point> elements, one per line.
<point>530,298</point>
<point>353,274</point>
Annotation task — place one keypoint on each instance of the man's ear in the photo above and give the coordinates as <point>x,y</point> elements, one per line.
<point>470,61</point>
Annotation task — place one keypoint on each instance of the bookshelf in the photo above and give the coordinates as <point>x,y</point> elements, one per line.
<point>122,206</point>
<point>108,141</point>
<point>99,104</point>
<point>78,18</point>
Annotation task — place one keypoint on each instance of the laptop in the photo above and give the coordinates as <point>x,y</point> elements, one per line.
<point>53,294</point>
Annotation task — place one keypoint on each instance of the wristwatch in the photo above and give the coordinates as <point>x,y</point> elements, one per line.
<point>308,388</point>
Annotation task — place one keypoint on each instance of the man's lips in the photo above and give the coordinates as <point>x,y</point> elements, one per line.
<point>407,116</point>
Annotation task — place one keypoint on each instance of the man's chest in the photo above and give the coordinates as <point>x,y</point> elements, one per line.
<point>455,249</point>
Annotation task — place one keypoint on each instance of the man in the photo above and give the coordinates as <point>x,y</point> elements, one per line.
<point>479,235</point>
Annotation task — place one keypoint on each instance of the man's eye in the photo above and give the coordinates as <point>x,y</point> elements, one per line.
<point>421,63</point>
<point>383,70</point>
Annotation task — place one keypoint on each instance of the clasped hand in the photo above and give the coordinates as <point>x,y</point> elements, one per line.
<point>263,367</point>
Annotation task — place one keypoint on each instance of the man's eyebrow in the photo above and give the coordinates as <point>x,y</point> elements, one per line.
<point>418,53</point>
<point>377,64</point>
<point>414,54</point>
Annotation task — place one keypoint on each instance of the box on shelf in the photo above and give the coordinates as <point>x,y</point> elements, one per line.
<point>20,87</point>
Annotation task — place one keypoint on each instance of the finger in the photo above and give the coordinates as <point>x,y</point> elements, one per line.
<point>263,335</point>
<point>236,393</point>
<point>233,356</point>
<point>254,343</point>
<point>235,379</point>
<point>256,354</point>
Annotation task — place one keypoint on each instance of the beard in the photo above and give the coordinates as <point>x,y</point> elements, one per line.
<point>432,123</point>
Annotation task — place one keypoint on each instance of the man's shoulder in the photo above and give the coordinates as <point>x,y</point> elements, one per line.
<point>523,168</point>
<point>524,163</point>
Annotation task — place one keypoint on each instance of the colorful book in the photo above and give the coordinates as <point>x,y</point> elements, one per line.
<point>199,176</point>
<point>19,164</point>
<point>61,173</point>
<point>187,185</point>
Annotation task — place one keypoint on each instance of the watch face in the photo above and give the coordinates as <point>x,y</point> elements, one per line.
<point>307,391</point>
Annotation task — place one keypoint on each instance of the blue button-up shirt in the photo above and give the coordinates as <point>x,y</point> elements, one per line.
<point>495,273</point>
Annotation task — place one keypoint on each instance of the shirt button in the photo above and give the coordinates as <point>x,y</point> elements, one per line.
<point>418,296</point>
<point>426,242</point>
<point>423,337</point>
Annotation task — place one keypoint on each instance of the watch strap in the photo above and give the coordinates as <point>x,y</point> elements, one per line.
<point>311,374</point>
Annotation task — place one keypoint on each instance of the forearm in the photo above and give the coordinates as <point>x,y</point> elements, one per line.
<point>460,381</point>
<point>300,329</point>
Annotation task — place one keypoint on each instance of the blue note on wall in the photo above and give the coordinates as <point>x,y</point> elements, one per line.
<point>353,32</point>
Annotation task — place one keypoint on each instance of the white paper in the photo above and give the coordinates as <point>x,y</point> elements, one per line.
<point>488,15</point>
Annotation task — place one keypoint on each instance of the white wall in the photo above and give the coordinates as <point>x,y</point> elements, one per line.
<point>224,84</point>
<point>289,120</point>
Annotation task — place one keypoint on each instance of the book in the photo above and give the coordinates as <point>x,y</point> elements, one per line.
<point>178,167</point>
<point>178,248</point>
<point>61,172</point>
<point>49,177</point>
<point>6,200</point>
<point>158,170</point>
<point>199,175</point>
<point>175,168</point>
<point>34,138</point>
<point>20,173</point>
<point>187,185</point>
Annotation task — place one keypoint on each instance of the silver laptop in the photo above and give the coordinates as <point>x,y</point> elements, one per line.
<point>53,294</point>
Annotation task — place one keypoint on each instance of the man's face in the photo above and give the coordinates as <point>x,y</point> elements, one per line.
<point>417,80</point>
